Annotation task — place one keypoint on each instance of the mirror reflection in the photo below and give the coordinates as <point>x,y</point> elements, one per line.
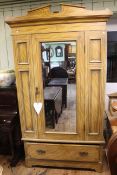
<point>59,82</point>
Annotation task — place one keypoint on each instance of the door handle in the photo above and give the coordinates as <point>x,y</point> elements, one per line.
<point>37,92</point>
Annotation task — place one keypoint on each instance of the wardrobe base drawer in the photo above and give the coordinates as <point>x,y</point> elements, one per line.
<point>65,152</point>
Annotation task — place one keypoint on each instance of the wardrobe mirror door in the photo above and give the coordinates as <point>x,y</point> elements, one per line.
<point>59,83</point>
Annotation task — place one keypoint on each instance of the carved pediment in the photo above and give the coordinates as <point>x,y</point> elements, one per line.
<point>68,12</point>
<point>40,11</point>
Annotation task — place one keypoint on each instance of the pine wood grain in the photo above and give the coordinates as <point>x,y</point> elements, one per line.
<point>73,23</point>
<point>43,14</point>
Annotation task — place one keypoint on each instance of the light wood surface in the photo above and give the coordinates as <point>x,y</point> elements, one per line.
<point>88,29</point>
<point>95,89</point>
<point>25,85</point>
<point>56,152</point>
<point>71,36</point>
<point>46,28</point>
<point>68,12</point>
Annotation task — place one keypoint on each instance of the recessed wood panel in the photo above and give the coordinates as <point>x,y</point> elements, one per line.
<point>22,53</point>
<point>26,101</point>
<point>25,85</point>
<point>95,50</point>
<point>94,101</point>
<point>94,92</point>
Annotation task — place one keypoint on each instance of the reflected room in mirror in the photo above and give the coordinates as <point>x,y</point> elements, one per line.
<point>59,83</point>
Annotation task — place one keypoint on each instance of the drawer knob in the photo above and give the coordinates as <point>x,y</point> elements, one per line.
<point>83,154</point>
<point>40,151</point>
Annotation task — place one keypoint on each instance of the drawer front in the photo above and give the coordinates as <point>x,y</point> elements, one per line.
<point>62,152</point>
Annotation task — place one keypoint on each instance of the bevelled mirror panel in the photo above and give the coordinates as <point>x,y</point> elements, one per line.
<point>59,83</point>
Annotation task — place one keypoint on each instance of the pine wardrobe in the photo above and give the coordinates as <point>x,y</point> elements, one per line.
<point>73,38</point>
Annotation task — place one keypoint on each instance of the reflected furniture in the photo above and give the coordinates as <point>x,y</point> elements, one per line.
<point>71,67</point>
<point>84,147</point>
<point>71,75</point>
<point>10,133</point>
<point>53,105</point>
<point>63,83</point>
<point>57,72</point>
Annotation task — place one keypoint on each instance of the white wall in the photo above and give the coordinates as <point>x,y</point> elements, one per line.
<point>112,25</point>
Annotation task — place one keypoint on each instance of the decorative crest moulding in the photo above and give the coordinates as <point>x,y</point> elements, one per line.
<point>68,12</point>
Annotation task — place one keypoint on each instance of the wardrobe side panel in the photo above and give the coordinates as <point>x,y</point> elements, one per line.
<point>25,85</point>
<point>95,77</point>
